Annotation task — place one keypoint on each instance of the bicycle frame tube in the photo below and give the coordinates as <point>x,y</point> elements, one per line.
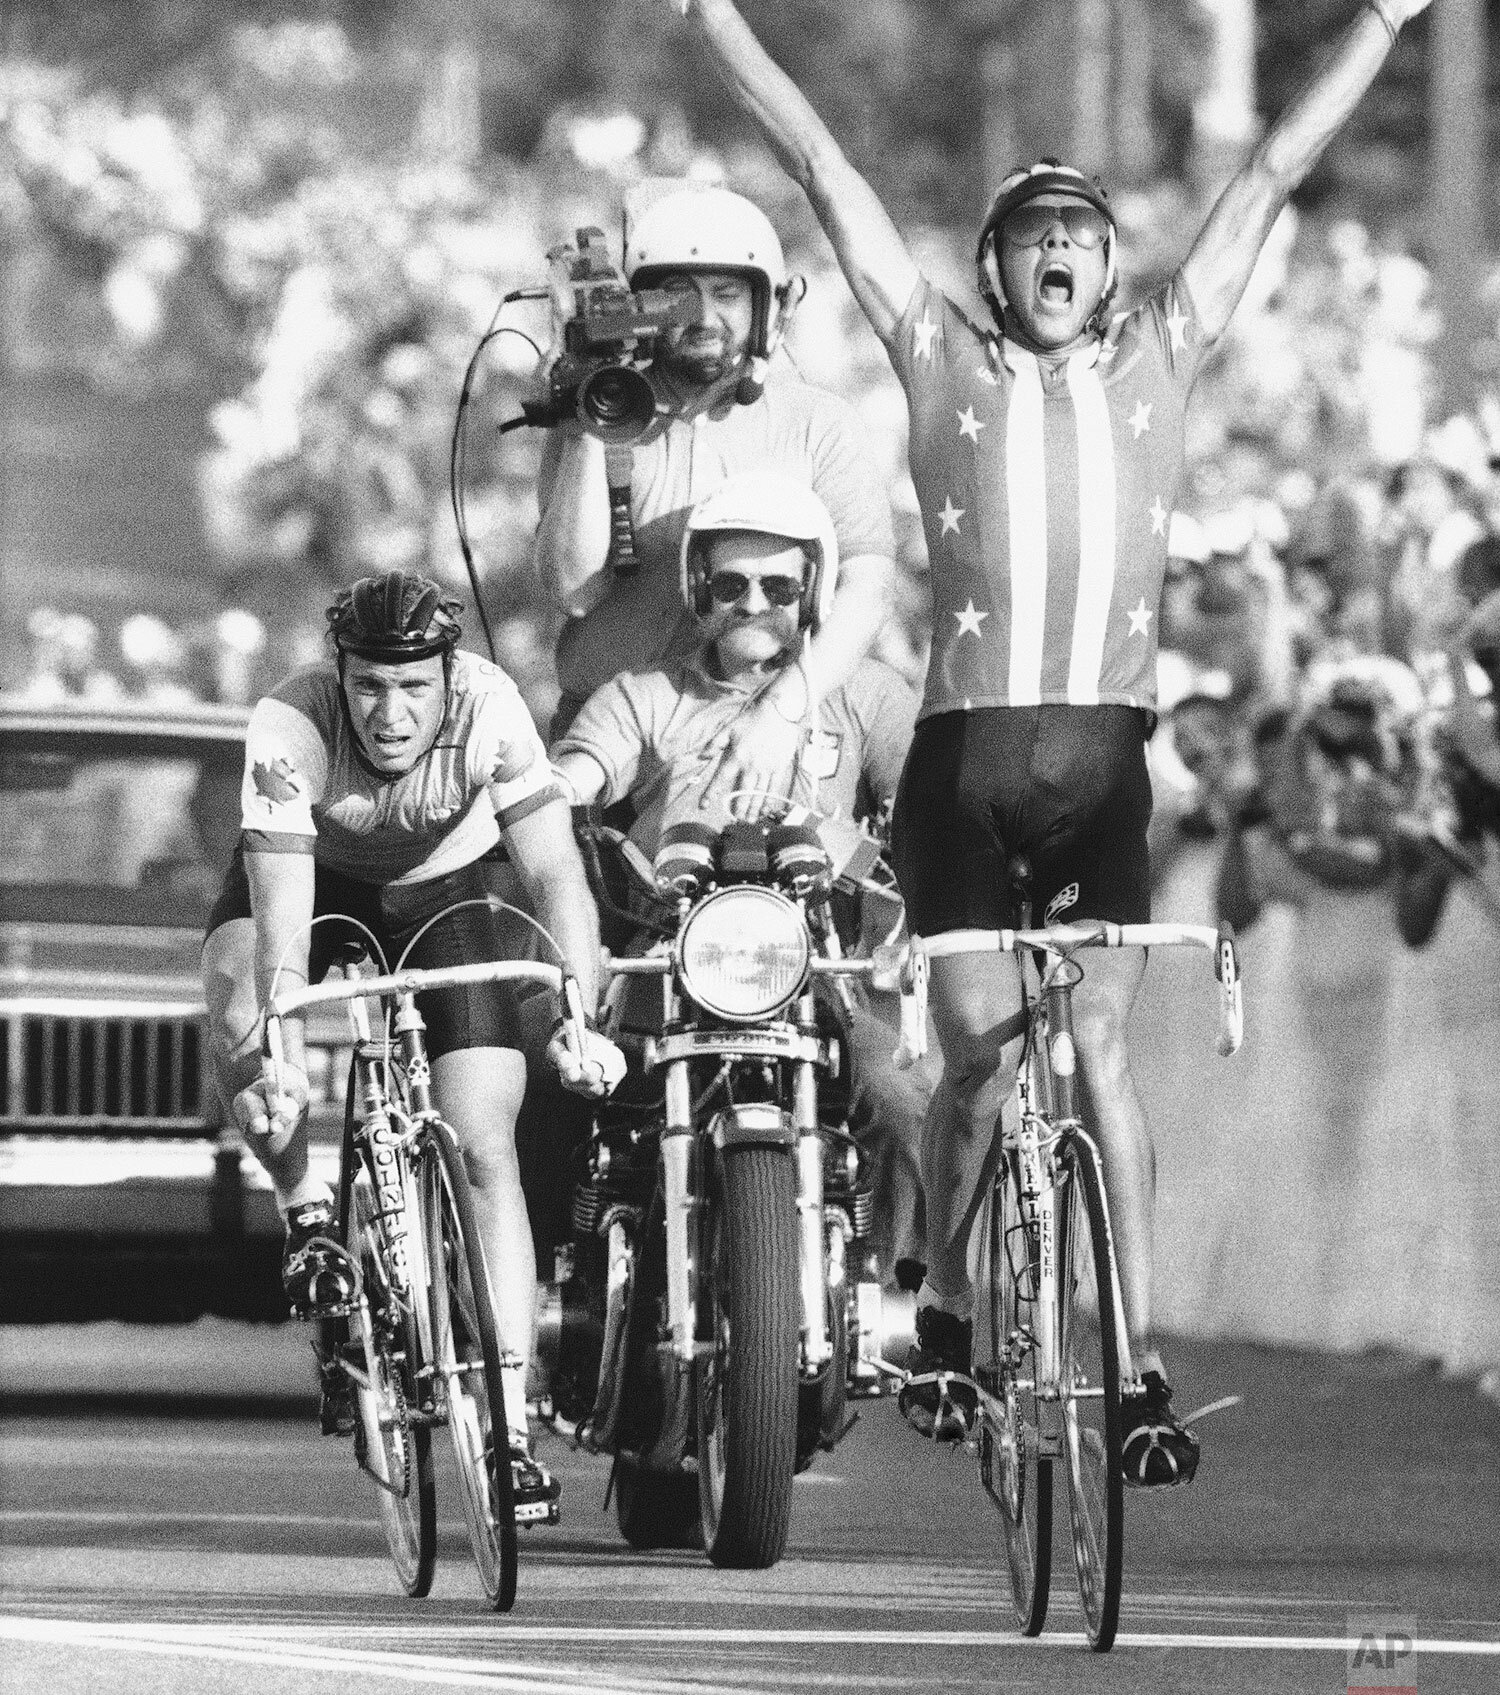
<point>1036,1200</point>
<point>386,1151</point>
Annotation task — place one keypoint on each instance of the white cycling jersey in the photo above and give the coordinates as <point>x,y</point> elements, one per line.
<point>308,789</point>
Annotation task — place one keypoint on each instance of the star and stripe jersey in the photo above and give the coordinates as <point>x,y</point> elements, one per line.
<point>307,790</point>
<point>1046,502</point>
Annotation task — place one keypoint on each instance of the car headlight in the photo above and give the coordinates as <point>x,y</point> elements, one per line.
<point>743,953</point>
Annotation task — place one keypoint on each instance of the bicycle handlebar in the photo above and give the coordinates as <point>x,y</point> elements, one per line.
<point>1061,939</point>
<point>352,989</point>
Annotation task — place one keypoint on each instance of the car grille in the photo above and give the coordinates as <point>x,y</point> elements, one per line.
<point>89,1070</point>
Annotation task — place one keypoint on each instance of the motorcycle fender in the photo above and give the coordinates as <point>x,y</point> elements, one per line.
<point>753,1124</point>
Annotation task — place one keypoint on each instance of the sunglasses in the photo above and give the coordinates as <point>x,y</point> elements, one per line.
<point>727,587</point>
<point>1029,226</point>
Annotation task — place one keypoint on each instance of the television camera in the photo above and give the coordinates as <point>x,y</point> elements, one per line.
<point>608,341</point>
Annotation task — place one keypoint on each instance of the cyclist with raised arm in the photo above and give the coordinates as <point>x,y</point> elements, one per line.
<point>720,411</point>
<point>374,783</point>
<point>1046,448</point>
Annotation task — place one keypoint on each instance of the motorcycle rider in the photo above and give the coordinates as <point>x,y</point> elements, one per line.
<point>758,569</point>
<point>718,414</point>
<point>374,781</point>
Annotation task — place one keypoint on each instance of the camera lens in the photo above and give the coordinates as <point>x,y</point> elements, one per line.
<point>617,403</point>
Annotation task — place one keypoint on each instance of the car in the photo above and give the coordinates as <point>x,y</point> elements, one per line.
<point>123,1192</point>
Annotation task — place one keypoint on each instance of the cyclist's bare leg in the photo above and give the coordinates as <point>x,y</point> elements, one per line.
<point>1101,1014</point>
<point>972,995</point>
<point>479,1091</point>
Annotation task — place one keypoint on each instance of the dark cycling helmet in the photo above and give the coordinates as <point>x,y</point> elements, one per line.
<point>395,617</point>
<point>1027,182</point>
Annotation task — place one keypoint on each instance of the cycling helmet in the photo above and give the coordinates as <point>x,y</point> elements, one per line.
<point>692,228</point>
<point>394,617</point>
<point>1027,182</point>
<point>766,503</point>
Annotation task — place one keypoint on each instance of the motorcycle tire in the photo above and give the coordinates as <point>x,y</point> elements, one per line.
<point>747,1388</point>
<point>656,1509</point>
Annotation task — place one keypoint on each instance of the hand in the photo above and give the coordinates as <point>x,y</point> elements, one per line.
<point>267,1123</point>
<point>593,1069</point>
<point>755,752</point>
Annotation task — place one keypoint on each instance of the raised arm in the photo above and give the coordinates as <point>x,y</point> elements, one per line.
<point>1219,266</point>
<point>874,258</point>
<point>572,537</point>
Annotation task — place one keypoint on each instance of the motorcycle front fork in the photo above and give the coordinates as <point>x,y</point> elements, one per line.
<point>818,1262</point>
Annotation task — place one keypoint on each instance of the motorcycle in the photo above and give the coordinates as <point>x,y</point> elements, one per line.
<point>721,1303</point>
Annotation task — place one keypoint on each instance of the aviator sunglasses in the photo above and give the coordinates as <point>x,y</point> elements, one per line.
<point>727,587</point>
<point>1029,225</point>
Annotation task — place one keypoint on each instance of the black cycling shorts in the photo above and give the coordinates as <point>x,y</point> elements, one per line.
<point>1066,786</point>
<point>477,1015</point>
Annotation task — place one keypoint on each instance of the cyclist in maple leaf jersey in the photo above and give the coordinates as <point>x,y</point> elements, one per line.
<point>1046,447</point>
<point>374,783</point>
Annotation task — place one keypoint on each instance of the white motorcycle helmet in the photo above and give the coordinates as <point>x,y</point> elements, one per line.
<point>766,503</point>
<point>703,228</point>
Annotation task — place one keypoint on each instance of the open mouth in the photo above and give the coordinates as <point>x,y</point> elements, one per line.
<point>1055,285</point>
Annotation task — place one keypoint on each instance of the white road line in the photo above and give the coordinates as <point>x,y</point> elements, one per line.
<point>564,1635</point>
<point>27,1515</point>
<point>411,1669</point>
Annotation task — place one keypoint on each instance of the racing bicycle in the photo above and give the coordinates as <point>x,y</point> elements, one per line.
<point>416,1341</point>
<point>1052,1361</point>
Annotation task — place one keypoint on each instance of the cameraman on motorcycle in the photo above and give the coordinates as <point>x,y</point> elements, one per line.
<point>758,572</point>
<point>716,416</point>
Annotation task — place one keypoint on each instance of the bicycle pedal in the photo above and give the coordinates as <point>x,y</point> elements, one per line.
<point>537,1512</point>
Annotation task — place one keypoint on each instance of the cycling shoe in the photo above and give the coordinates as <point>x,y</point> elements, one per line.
<point>315,1273</point>
<point>536,1489</point>
<point>939,1399</point>
<point>1157,1449</point>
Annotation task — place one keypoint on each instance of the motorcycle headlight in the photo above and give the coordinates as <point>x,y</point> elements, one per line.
<point>743,953</point>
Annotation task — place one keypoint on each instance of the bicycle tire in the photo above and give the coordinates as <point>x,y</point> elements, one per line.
<point>1012,1467</point>
<point>747,1383</point>
<point>388,1445</point>
<point>1089,1354</point>
<point>466,1347</point>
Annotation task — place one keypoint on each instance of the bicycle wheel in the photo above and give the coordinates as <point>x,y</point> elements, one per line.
<point>466,1350</point>
<point>747,1384</point>
<point>1011,1465</point>
<point>1091,1393</point>
<point>396,1454</point>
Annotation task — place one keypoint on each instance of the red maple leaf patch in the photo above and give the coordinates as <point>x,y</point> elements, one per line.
<point>276,782</point>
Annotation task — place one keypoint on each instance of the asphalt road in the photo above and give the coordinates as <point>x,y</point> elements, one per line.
<point>172,1522</point>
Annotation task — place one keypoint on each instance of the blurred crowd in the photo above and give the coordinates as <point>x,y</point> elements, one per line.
<point>214,661</point>
<point>1329,685</point>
